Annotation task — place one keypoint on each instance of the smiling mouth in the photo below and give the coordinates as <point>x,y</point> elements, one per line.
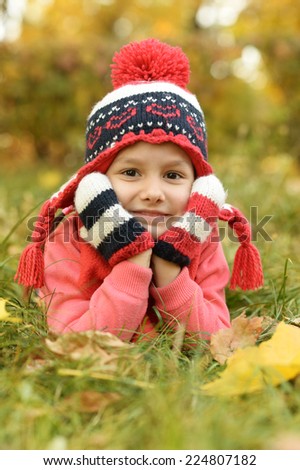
<point>150,218</point>
<point>149,214</point>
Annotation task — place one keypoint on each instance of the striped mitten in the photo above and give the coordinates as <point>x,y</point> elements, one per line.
<point>107,226</point>
<point>181,242</point>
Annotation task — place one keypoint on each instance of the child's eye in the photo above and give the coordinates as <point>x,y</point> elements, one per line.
<point>130,172</point>
<point>173,175</point>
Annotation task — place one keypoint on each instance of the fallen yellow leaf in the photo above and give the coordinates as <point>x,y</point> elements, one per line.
<point>5,315</point>
<point>253,368</point>
<point>3,312</point>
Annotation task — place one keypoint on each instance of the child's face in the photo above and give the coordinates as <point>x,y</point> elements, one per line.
<point>153,182</point>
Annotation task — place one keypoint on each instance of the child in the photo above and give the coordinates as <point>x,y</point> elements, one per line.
<point>140,239</point>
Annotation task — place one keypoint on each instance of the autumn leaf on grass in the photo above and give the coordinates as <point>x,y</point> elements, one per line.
<point>253,368</point>
<point>243,332</point>
<point>104,349</point>
<point>285,441</point>
<point>36,364</point>
<point>5,315</point>
<point>90,401</point>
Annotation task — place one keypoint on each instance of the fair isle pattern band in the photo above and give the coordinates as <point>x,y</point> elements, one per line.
<point>141,109</point>
<point>127,91</point>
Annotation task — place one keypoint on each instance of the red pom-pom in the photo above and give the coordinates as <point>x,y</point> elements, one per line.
<point>150,60</point>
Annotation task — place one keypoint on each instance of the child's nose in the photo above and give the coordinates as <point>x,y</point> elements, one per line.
<point>152,191</point>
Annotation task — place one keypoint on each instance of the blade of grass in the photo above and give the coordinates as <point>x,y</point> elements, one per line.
<point>16,225</point>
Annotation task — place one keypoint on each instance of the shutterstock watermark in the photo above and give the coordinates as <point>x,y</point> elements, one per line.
<point>258,227</point>
<point>107,228</point>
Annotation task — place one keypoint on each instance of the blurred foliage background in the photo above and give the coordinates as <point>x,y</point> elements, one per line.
<point>55,57</point>
<point>55,60</point>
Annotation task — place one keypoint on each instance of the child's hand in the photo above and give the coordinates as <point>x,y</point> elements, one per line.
<point>164,271</point>
<point>107,226</point>
<point>142,259</point>
<point>182,241</point>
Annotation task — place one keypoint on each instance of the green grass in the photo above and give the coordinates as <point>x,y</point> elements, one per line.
<point>155,400</point>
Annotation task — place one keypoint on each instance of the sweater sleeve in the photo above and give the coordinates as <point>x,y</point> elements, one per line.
<point>198,304</point>
<point>117,306</point>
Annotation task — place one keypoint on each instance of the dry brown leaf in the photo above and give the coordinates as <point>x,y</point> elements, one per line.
<point>243,332</point>
<point>90,401</point>
<point>34,365</point>
<point>103,349</point>
<point>286,441</point>
<point>253,368</point>
<point>296,322</point>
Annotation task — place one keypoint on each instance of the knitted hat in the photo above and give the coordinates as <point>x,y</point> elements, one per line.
<point>150,102</point>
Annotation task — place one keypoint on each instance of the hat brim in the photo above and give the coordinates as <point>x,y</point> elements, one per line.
<point>104,159</point>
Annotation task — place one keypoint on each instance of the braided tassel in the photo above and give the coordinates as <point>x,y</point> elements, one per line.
<point>247,270</point>
<point>30,272</point>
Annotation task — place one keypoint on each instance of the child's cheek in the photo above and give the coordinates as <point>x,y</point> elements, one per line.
<point>121,193</point>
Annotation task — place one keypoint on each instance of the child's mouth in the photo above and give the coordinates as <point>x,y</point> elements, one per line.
<point>150,217</point>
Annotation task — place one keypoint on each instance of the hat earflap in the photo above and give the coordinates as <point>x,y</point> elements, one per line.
<point>30,272</point>
<point>247,270</point>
